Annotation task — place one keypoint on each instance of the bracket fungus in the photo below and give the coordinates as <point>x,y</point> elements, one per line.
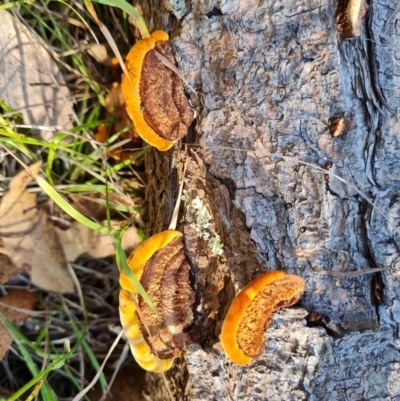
<point>161,266</point>
<point>154,94</point>
<point>250,313</point>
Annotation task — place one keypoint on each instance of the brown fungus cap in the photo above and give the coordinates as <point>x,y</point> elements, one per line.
<point>166,281</point>
<point>161,266</point>
<point>154,94</point>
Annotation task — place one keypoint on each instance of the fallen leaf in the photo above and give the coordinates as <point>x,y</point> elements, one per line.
<point>30,238</point>
<point>79,240</point>
<point>7,268</point>
<point>30,81</point>
<point>13,307</point>
<point>99,53</point>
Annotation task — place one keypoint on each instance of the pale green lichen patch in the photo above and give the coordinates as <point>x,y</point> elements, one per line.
<point>214,243</point>
<point>202,223</point>
<point>203,217</point>
<point>185,196</point>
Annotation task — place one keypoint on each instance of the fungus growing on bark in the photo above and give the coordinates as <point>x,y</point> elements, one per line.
<point>161,266</point>
<point>250,313</point>
<point>154,94</point>
<point>339,126</point>
<point>349,17</point>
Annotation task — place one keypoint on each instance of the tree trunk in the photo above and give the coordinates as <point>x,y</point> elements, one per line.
<point>275,83</point>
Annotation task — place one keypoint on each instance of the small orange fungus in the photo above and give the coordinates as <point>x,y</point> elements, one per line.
<point>250,313</point>
<point>349,17</point>
<point>154,94</point>
<point>161,266</point>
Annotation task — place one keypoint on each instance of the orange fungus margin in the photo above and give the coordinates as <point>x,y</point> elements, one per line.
<point>241,303</point>
<point>131,89</point>
<point>127,308</point>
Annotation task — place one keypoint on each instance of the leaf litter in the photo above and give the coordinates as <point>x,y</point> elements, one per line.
<point>23,230</point>
<point>15,306</point>
<point>33,244</point>
<point>30,238</point>
<point>30,81</point>
<point>80,240</point>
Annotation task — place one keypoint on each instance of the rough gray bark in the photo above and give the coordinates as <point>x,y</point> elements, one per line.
<point>271,76</point>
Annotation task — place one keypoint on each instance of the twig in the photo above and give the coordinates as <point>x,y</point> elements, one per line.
<point>80,395</point>
<point>342,275</point>
<point>120,361</point>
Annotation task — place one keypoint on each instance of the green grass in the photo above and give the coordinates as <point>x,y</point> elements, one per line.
<point>21,348</point>
<point>73,163</point>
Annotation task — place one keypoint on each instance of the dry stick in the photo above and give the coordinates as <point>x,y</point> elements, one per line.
<point>174,219</point>
<point>80,395</point>
<point>343,275</point>
<point>46,356</point>
<point>397,10</point>
<point>120,361</point>
<point>111,40</point>
<point>26,311</point>
<point>175,69</point>
<point>82,303</point>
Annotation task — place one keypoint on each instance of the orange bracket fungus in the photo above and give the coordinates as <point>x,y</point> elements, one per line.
<point>161,266</point>
<point>154,94</point>
<point>250,313</point>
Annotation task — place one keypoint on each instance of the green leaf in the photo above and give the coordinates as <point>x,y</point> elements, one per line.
<point>132,11</point>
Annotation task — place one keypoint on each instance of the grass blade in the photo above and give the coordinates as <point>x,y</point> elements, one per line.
<point>123,265</point>
<point>132,11</point>
<point>47,393</point>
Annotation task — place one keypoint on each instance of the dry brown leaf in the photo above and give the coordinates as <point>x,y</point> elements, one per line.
<point>18,301</point>
<point>79,240</point>
<point>99,53</point>
<point>7,268</point>
<point>30,81</point>
<point>5,340</point>
<point>30,238</point>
